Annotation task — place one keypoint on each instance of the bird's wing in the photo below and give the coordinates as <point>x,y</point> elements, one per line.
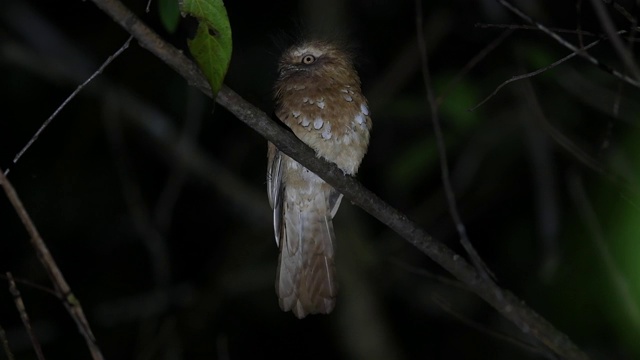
<point>333,198</point>
<point>275,188</point>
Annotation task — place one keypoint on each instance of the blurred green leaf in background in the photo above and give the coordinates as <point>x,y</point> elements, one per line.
<point>169,14</point>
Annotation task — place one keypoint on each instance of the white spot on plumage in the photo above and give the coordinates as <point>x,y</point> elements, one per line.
<point>326,133</point>
<point>320,104</point>
<point>317,123</point>
<point>359,118</point>
<point>347,97</point>
<point>305,121</point>
<point>344,91</point>
<point>295,113</point>
<point>305,100</point>
<point>364,109</point>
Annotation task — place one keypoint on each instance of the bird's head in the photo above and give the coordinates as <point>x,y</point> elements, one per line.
<point>313,61</point>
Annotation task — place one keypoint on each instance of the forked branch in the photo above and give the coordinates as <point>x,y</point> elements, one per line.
<point>502,300</point>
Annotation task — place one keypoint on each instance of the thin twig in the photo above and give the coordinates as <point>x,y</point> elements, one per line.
<point>584,158</point>
<point>533,27</point>
<point>17,298</point>
<point>483,329</point>
<point>544,178</point>
<point>591,222</point>
<point>64,103</point>
<point>472,63</point>
<point>508,305</point>
<point>579,23</point>
<point>32,285</point>
<point>243,198</point>
<point>62,287</point>
<point>430,275</point>
<point>618,99</point>
<point>570,46</point>
<point>482,268</point>
<point>5,344</point>
<point>623,52</point>
<point>533,73</point>
<point>579,32</point>
<point>574,150</point>
<point>619,8</point>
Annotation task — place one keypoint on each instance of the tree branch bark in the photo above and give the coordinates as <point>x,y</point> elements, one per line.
<point>502,300</point>
<point>63,290</point>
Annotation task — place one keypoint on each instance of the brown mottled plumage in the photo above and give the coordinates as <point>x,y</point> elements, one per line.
<point>318,96</point>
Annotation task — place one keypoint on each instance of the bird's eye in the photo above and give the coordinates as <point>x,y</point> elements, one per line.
<point>308,59</point>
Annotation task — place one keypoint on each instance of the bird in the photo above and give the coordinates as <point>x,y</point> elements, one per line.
<point>318,96</point>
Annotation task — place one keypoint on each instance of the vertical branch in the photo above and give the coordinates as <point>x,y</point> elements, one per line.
<point>442,152</point>
<point>62,288</point>
<point>545,193</point>
<point>5,344</point>
<point>579,23</point>
<point>13,289</point>
<point>623,52</point>
<point>616,104</point>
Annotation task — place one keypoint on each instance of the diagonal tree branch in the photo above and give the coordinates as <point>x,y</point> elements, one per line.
<point>63,291</point>
<point>502,300</point>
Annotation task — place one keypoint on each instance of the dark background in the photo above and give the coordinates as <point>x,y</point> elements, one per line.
<point>156,210</point>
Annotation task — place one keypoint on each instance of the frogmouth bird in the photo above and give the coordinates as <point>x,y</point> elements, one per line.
<point>318,96</point>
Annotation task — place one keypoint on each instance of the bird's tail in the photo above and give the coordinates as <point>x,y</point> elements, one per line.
<point>306,275</point>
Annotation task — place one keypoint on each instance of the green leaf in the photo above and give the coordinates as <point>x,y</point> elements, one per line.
<point>211,46</point>
<point>169,14</point>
